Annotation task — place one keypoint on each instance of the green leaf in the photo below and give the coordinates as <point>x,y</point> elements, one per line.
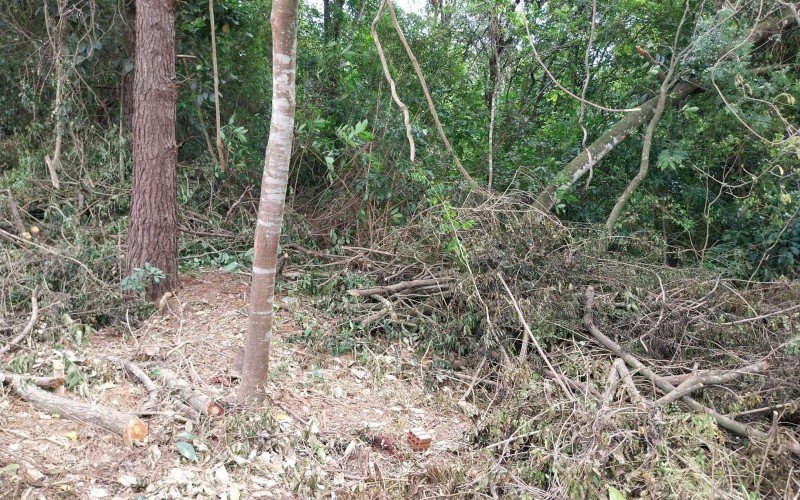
<point>9,468</point>
<point>187,450</point>
<point>233,266</point>
<point>615,494</point>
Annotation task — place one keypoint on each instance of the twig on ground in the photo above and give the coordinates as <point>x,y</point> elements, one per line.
<point>535,342</point>
<point>434,283</point>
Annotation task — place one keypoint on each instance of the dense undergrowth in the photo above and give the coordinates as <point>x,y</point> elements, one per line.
<point>678,319</point>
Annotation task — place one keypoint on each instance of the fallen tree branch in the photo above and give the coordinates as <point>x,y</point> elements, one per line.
<point>403,285</point>
<point>762,316</point>
<point>716,377</point>
<point>128,426</point>
<point>558,377</point>
<point>627,382</point>
<point>144,379</point>
<point>200,402</point>
<point>688,386</point>
<point>723,421</point>
<point>212,234</point>
<point>29,327</point>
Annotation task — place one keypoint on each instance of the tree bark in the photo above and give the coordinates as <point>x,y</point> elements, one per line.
<point>222,155</point>
<point>152,231</point>
<point>129,51</point>
<point>255,367</point>
<point>126,425</point>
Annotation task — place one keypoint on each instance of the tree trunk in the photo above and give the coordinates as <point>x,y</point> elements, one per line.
<point>222,155</point>
<point>152,231</point>
<point>129,51</point>
<point>326,20</point>
<point>255,368</point>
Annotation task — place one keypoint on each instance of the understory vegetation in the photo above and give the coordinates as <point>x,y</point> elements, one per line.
<point>696,279</point>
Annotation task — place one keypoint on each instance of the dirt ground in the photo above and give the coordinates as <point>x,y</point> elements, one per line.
<point>334,426</point>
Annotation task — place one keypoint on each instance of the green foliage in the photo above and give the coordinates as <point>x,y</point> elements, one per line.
<point>141,278</point>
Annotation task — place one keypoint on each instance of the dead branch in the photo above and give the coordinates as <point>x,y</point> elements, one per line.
<point>688,386</point>
<point>200,402</point>
<point>16,218</point>
<point>128,426</point>
<point>403,285</point>
<point>763,316</point>
<point>213,234</point>
<point>529,333</point>
<point>611,385</point>
<point>429,99</point>
<point>140,375</point>
<point>29,327</point>
<point>627,383</point>
<point>716,377</point>
<point>698,380</point>
<point>666,387</point>
<point>49,250</point>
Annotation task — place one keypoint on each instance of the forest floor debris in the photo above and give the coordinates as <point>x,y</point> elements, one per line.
<point>318,436</point>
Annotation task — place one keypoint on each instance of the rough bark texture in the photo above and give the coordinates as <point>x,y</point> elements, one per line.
<point>273,195</point>
<point>152,232</point>
<point>129,51</point>
<point>128,426</point>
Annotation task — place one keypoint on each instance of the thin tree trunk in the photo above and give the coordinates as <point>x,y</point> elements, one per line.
<point>428,97</point>
<point>496,43</point>
<point>152,231</point>
<point>222,157</point>
<point>255,368</point>
<point>644,164</point>
<point>57,36</point>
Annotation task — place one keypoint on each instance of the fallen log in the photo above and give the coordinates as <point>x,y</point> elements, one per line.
<point>403,285</point>
<point>723,421</point>
<point>129,427</point>
<point>201,403</point>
